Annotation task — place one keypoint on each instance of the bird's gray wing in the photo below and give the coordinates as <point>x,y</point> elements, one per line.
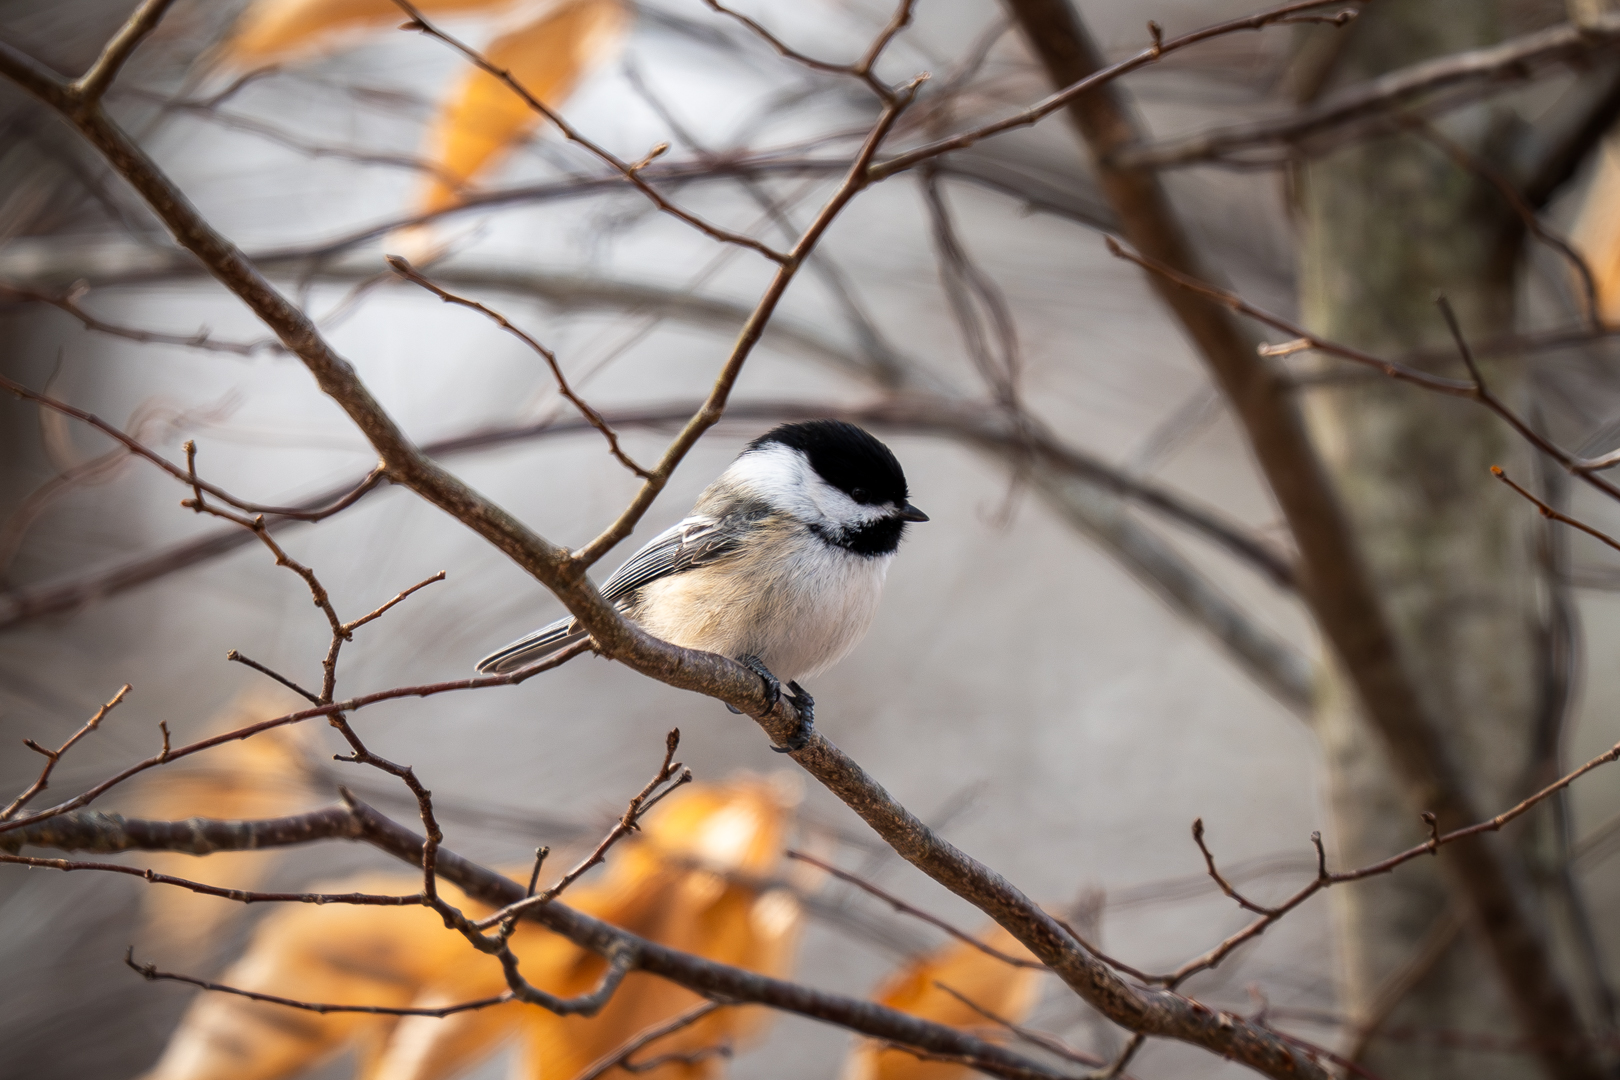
<point>691,543</point>
<point>532,648</point>
<point>694,542</point>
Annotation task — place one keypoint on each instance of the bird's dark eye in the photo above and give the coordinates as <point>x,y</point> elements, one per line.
<point>858,494</point>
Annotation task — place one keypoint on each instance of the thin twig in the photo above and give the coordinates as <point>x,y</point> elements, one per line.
<point>1526,213</point>
<point>1050,1043</point>
<point>237,658</point>
<point>860,69</point>
<point>349,705</point>
<point>670,772</point>
<point>152,974</point>
<point>43,781</point>
<point>241,896</point>
<point>620,1057</point>
<point>1123,1058</point>
<point>631,172</point>
<point>917,913</point>
<point>1498,65</point>
<point>88,89</point>
<point>1472,388</point>
<point>188,476</point>
<point>405,270</point>
<point>350,627</point>
<point>1324,878</point>
<point>1209,861</point>
<point>1555,515</point>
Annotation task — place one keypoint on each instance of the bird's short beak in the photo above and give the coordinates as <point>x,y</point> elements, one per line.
<point>911,513</point>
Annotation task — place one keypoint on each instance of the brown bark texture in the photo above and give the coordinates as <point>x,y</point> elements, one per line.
<point>1389,222</point>
<point>1339,581</point>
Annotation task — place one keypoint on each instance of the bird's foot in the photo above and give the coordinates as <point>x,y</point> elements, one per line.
<point>806,706</point>
<point>773,685</point>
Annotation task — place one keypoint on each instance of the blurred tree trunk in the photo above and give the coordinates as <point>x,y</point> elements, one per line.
<point>1387,224</point>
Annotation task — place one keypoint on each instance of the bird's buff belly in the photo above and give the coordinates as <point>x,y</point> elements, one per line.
<point>797,631</point>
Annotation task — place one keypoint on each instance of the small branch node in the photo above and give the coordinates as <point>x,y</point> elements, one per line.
<point>1434,831</point>
<point>1286,348</point>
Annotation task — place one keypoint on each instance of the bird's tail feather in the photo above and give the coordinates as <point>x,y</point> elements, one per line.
<point>535,647</point>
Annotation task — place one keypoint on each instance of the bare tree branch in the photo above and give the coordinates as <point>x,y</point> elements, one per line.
<point>718,981</point>
<point>69,303</point>
<point>151,974</point>
<point>1555,515</point>
<point>1555,1042</point>
<point>110,833</point>
<point>1501,65</point>
<point>1100,75</point>
<point>630,172</point>
<point>410,273</point>
<point>1087,492</point>
<point>620,1058</point>
<point>1158,1012</point>
<point>337,708</point>
<point>915,912</point>
<point>87,90</point>
<point>1336,582</point>
<point>43,781</point>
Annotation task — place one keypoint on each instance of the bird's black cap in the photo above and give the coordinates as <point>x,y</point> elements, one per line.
<point>845,456</point>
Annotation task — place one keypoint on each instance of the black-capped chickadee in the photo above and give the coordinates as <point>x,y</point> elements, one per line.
<point>779,565</point>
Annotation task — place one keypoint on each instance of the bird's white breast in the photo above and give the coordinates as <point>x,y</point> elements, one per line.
<point>795,601</point>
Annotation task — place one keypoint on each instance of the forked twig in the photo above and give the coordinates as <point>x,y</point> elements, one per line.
<point>631,172</point>
<point>670,772</point>
<point>405,270</point>
<point>189,475</point>
<point>1325,878</point>
<point>1226,887</point>
<point>43,780</point>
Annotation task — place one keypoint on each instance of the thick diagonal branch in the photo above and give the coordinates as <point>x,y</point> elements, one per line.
<point>108,833</point>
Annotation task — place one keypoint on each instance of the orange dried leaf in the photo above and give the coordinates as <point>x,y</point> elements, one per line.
<point>684,884</point>
<point>430,1048</point>
<point>334,954</point>
<point>274,30</point>
<point>670,883</point>
<point>265,776</point>
<point>548,55</point>
<point>994,985</point>
<point>1597,230</point>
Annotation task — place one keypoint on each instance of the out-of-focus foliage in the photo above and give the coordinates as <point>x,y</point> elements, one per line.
<point>686,881</point>
<point>1597,232</point>
<point>548,47</point>
<point>262,777</point>
<point>275,31</point>
<point>995,986</point>
<point>547,55</point>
